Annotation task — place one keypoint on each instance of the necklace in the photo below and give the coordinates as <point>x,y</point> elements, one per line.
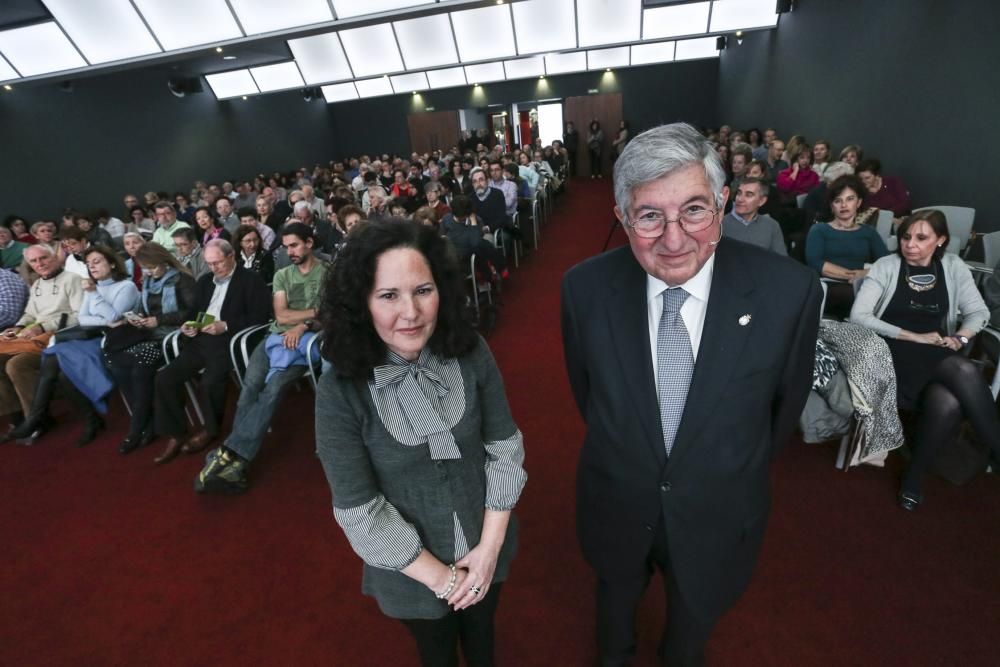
<point>921,282</point>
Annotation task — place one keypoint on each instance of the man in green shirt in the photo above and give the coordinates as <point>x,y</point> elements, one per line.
<point>274,365</point>
<point>11,251</point>
<point>166,224</point>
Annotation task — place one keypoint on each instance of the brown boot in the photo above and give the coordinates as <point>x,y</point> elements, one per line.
<point>198,442</point>
<point>170,452</point>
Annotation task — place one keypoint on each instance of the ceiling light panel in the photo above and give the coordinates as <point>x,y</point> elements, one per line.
<point>676,21</point>
<point>484,72</point>
<point>426,42</point>
<point>6,71</point>
<point>104,30</point>
<point>561,63</point>
<point>371,50</point>
<point>447,78</point>
<point>617,57</point>
<point>232,84</point>
<point>277,77</point>
<point>407,83</point>
<point>348,8</point>
<point>321,58</point>
<point>260,16</point>
<point>182,23</point>
<point>739,14</point>
<point>484,33</point>
<point>39,49</point>
<point>648,54</point>
<point>691,49</point>
<point>340,92</point>
<point>607,21</point>
<point>544,25</point>
<point>374,87</point>
<point>523,68</point>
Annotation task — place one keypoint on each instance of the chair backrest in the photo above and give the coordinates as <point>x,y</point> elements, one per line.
<point>884,224</point>
<point>960,221</point>
<point>991,249</point>
<point>799,200</point>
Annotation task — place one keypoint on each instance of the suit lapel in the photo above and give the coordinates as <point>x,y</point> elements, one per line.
<point>628,322</point>
<point>723,339</point>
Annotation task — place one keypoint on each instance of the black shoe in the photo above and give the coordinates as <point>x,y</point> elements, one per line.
<point>31,430</point>
<point>910,500</point>
<point>94,426</point>
<point>224,473</point>
<point>134,442</point>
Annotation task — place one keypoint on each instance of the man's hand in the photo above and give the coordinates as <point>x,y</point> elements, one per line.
<point>215,328</point>
<point>32,331</point>
<point>10,333</point>
<point>189,331</point>
<point>293,336</point>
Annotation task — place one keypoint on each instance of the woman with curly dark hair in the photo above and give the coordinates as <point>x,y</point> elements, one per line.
<point>417,440</point>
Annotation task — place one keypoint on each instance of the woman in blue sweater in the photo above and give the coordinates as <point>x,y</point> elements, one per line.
<point>839,249</point>
<point>108,295</point>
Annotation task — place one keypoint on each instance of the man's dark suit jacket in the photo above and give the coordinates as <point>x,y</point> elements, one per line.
<point>749,387</point>
<point>248,302</point>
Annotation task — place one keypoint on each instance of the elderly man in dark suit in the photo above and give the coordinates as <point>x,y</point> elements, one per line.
<point>690,357</point>
<point>236,298</point>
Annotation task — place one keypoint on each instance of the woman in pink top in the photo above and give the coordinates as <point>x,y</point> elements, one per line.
<point>798,179</point>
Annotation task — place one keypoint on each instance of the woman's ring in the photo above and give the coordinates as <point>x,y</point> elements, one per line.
<point>475,590</point>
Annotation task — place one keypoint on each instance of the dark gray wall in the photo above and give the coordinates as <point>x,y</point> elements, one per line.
<point>126,133</point>
<point>914,82</point>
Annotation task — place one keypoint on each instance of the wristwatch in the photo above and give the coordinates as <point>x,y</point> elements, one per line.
<point>962,339</point>
<point>309,325</point>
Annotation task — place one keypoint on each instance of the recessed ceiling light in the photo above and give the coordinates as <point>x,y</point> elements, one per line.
<point>542,76</point>
<point>608,69</point>
<point>8,87</point>
<point>229,57</point>
<point>244,97</point>
<point>218,49</point>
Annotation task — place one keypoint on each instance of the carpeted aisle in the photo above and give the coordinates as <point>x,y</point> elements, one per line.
<point>112,560</point>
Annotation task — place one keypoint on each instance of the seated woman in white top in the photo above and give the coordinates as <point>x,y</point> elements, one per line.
<point>925,303</point>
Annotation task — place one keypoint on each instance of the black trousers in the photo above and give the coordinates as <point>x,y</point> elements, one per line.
<point>571,159</point>
<point>196,354</point>
<point>136,382</point>
<point>595,162</point>
<point>438,639</point>
<point>683,640</point>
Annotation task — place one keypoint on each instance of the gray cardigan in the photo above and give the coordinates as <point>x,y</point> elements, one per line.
<point>880,284</point>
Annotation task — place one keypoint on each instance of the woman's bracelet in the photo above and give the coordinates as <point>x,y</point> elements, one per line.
<point>451,584</point>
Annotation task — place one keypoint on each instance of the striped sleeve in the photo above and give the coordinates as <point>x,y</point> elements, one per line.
<point>505,475</point>
<point>379,534</point>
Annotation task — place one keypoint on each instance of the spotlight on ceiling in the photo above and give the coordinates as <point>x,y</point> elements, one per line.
<point>66,86</point>
<point>739,36</point>
<point>218,49</point>
<point>181,86</point>
<point>8,87</point>
<point>310,94</point>
<point>720,42</point>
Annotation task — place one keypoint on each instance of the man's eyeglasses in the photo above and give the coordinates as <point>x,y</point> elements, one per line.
<point>652,225</point>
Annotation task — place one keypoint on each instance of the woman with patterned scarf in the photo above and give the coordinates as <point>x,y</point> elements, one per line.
<point>133,353</point>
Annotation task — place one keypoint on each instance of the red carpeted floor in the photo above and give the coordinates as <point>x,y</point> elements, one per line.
<point>112,560</point>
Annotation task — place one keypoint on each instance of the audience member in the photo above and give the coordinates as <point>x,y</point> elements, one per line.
<point>745,224</point>
<point>253,256</point>
<point>141,223</point>
<point>852,155</point>
<point>992,293</point>
<point>595,146</point>
<point>11,250</point>
<point>235,299</point>
<point>508,188</point>
<point>821,156</point>
<point>75,243</point>
<point>208,227</point>
<point>267,216</point>
<point>188,252</point>
<point>131,242</point>
<point>775,164</point>
<point>883,192</point>
<point>107,295</point>
<point>110,224</point>
<point>53,303</point>
<point>432,191</point>
<point>622,137</point>
<point>167,224</point>
<point>248,218</point>
<point>470,237</point>
<point>13,298</point>
<point>133,352</point>
<point>229,220</point>
<point>798,179</point>
<point>816,206</point>
<point>924,302</point>
<point>19,229</point>
<point>278,361</point>
<point>487,203</point>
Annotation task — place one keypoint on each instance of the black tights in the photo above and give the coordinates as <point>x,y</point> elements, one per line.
<point>438,640</point>
<point>956,390</point>
<point>136,382</point>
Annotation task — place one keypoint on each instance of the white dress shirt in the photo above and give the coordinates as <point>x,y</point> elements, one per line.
<point>219,295</point>
<point>693,310</point>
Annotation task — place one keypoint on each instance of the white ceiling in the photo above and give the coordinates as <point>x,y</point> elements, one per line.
<point>477,45</point>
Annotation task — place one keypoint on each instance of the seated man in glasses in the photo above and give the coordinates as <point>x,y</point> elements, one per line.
<point>53,303</point>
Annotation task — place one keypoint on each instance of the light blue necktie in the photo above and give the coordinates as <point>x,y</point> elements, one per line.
<point>674,364</point>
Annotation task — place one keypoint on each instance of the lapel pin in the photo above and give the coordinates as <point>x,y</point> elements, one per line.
<point>744,320</point>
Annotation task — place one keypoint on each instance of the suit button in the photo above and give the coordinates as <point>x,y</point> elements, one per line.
<point>648,527</point>
<point>665,487</point>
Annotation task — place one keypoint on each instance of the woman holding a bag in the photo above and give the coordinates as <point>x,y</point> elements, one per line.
<point>133,352</point>
<point>107,295</point>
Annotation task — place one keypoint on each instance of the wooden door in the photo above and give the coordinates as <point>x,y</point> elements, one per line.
<point>607,110</point>
<point>433,130</point>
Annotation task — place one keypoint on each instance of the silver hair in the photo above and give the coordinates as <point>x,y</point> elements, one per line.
<point>135,234</point>
<point>300,205</point>
<point>223,245</point>
<point>44,248</point>
<point>661,151</point>
<point>835,170</point>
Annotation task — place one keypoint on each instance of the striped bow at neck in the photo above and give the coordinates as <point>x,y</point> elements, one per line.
<point>416,387</point>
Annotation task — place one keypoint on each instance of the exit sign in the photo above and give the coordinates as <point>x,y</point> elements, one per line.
<point>593,91</point>
<point>429,109</point>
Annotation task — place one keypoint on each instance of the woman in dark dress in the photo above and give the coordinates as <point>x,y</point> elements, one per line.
<point>417,441</point>
<point>926,305</point>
